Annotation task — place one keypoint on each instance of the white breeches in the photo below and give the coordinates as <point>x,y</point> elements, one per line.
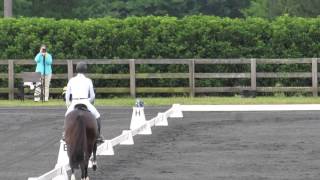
<point>86,102</point>
<point>37,92</point>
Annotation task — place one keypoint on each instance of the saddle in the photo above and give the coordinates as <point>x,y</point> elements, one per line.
<point>81,107</point>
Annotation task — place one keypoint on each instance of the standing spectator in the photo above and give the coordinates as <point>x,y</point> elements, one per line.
<point>44,63</point>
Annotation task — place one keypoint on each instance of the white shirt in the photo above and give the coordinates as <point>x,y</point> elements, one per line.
<point>80,87</point>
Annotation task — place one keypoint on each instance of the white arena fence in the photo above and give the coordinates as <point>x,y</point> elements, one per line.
<point>139,125</point>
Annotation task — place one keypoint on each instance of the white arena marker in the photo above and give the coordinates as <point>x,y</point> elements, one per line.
<point>129,139</point>
<point>105,148</point>
<point>56,173</point>
<point>138,118</point>
<point>63,158</point>
<point>90,164</point>
<point>176,111</point>
<point>63,175</point>
<point>161,120</point>
<point>152,122</point>
<point>144,129</point>
<point>138,125</point>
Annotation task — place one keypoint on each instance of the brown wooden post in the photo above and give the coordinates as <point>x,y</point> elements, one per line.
<point>253,74</point>
<point>315,76</point>
<point>7,8</point>
<point>11,79</point>
<point>191,78</point>
<point>132,69</point>
<point>70,69</point>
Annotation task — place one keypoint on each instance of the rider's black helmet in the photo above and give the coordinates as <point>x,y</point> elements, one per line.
<point>81,67</point>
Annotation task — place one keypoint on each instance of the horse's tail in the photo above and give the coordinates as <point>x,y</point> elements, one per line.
<point>80,142</point>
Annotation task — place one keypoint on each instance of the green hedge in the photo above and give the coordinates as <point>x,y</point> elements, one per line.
<point>161,37</point>
<point>167,37</point>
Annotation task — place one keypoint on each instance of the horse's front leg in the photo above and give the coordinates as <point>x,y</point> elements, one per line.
<point>94,161</point>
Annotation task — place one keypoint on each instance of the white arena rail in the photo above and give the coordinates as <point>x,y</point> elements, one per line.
<point>277,107</point>
<point>139,125</point>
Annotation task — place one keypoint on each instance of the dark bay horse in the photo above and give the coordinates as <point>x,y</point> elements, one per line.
<point>80,136</point>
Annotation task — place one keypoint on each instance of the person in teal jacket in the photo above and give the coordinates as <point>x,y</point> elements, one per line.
<point>44,66</point>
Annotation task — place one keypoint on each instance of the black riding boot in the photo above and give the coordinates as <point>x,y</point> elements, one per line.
<point>99,137</point>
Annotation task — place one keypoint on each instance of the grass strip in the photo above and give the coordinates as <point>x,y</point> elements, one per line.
<point>172,100</point>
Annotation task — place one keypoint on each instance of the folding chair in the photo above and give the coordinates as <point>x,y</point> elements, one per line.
<point>31,80</point>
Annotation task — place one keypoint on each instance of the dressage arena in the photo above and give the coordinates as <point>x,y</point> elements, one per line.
<point>263,145</point>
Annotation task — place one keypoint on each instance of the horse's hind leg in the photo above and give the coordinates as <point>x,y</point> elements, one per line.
<point>94,162</point>
<point>73,177</point>
<point>84,170</point>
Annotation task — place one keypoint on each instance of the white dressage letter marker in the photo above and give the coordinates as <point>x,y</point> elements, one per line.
<point>63,158</point>
<point>138,118</point>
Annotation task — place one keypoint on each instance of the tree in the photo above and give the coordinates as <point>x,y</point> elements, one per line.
<point>1,8</point>
<point>179,8</point>
<point>306,8</point>
<point>274,8</point>
<point>225,8</point>
<point>43,8</point>
<point>7,8</point>
<point>258,8</point>
<point>84,9</point>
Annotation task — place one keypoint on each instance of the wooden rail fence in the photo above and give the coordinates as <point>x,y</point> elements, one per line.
<point>192,76</point>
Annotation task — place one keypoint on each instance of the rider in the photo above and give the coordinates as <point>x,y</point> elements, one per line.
<point>80,88</point>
